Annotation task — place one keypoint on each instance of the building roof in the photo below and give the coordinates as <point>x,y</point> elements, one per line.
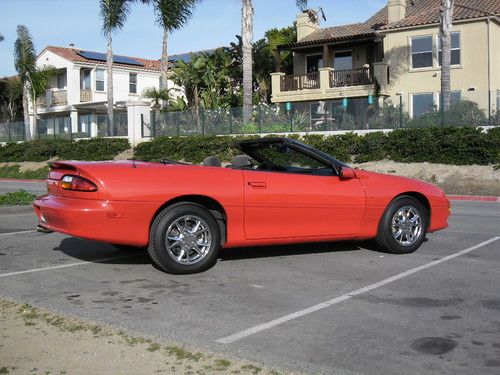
<point>78,55</point>
<point>418,13</point>
<point>72,54</point>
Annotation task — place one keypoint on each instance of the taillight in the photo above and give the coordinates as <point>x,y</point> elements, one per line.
<point>77,183</point>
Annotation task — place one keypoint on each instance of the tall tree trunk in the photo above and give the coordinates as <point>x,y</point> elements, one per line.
<point>247,45</point>
<point>164,59</point>
<point>26,101</point>
<point>446,19</point>
<point>35,109</point>
<point>109,71</point>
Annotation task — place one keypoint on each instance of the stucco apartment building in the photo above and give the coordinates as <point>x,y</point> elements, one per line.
<point>393,57</point>
<point>76,100</point>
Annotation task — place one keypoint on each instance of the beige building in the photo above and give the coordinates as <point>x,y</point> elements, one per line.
<point>393,57</point>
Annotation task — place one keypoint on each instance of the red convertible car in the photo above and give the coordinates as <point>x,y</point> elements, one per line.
<point>281,191</point>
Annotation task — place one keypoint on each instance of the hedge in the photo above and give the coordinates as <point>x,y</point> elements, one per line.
<point>447,145</point>
<point>42,150</point>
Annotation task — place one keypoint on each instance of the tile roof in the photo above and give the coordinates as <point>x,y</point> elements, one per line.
<point>72,55</point>
<point>418,13</point>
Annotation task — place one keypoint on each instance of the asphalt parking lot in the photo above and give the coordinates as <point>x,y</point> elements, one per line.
<point>315,308</point>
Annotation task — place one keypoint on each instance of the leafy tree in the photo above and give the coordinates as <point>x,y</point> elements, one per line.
<point>113,15</point>
<point>11,99</point>
<point>171,15</point>
<point>247,56</point>
<point>34,80</point>
<point>157,96</point>
<point>445,25</point>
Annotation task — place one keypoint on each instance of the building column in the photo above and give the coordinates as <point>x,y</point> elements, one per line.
<point>73,115</point>
<point>276,85</point>
<point>324,78</point>
<point>326,56</point>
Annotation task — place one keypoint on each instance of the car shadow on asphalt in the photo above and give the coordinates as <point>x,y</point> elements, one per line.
<point>294,249</point>
<point>99,252</point>
<point>93,251</point>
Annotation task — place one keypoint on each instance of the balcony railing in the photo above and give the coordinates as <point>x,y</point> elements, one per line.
<point>300,82</point>
<point>85,95</point>
<point>353,77</point>
<point>59,97</point>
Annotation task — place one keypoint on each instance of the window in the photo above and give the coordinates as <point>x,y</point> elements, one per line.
<point>455,49</point>
<point>421,52</point>
<point>314,63</point>
<point>456,97</point>
<point>84,124</point>
<point>282,158</point>
<point>99,79</point>
<point>84,79</point>
<point>422,103</point>
<point>132,83</point>
<point>61,80</point>
<point>343,60</point>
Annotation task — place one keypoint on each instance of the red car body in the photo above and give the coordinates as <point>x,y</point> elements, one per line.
<point>259,208</point>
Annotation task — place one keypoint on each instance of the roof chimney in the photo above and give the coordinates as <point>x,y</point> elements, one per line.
<point>306,24</point>
<point>396,10</point>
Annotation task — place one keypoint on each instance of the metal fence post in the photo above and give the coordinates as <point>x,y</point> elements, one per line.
<point>230,112</point>
<point>153,124</point>
<point>8,132</point>
<point>260,119</point>
<point>203,123</point>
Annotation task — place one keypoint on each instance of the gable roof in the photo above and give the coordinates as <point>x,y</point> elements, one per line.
<point>72,54</point>
<point>418,13</point>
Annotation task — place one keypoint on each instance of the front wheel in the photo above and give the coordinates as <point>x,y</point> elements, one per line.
<point>184,238</point>
<point>403,225</point>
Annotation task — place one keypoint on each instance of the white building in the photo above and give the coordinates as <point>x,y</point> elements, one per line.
<point>76,100</point>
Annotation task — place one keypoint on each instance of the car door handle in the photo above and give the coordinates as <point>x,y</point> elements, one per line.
<point>257,184</point>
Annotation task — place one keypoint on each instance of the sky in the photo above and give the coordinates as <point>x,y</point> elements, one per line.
<point>215,23</point>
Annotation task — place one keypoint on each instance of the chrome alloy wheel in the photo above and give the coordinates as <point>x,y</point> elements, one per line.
<point>406,225</point>
<point>188,239</point>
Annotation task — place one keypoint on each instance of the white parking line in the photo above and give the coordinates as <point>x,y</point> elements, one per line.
<point>273,323</point>
<point>20,232</point>
<point>66,265</point>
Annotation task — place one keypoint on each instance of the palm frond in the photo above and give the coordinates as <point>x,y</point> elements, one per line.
<point>24,52</point>
<point>114,14</point>
<point>173,14</point>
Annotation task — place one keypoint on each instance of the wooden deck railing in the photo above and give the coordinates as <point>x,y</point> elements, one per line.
<point>300,82</point>
<point>85,95</point>
<point>354,77</point>
<point>60,97</point>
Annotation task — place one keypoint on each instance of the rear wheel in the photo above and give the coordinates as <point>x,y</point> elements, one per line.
<point>184,238</point>
<point>403,225</point>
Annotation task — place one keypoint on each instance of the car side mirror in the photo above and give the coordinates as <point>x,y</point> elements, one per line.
<point>346,173</point>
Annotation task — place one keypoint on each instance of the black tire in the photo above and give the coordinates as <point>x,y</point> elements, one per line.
<point>385,238</point>
<point>157,248</point>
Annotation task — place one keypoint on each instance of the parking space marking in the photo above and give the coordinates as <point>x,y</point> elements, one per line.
<point>20,232</point>
<point>273,323</point>
<point>66,265</point>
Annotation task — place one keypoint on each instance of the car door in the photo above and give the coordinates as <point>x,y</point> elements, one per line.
<point>295,203</point>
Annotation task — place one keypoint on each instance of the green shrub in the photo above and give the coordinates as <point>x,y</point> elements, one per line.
<point>17,198</point>
<point>12,171</point>
<point>42,150</point>
<point>448,145</point>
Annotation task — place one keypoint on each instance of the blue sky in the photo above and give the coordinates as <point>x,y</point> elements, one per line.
<point>215,23</point>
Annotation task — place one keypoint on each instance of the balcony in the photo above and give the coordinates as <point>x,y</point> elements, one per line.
<point>328,84</point>
<point>52,98</point>
<point>85,96</point>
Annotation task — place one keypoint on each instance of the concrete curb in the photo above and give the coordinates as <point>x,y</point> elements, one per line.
<point>477,198</point>
<point>20,180</point>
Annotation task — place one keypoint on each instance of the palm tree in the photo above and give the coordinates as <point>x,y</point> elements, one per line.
<point>25,63</point>
<point>446,19</point>
<point>171,15</point>
<point>247,45</point>
<point>113,14</point>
